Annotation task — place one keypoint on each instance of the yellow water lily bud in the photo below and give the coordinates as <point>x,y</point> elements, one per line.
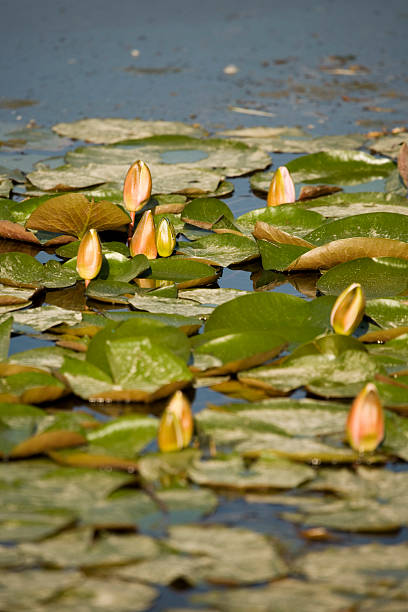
<point>144,239</point>
<point>136,189</point>
<point>282,188</point>
<point>89,258</point>
<point>348,310</point>
<point>365,422</point>
<point>176,424</point>
<point>165,238</point>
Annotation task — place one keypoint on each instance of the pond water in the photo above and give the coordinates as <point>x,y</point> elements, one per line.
<point>327,67</point>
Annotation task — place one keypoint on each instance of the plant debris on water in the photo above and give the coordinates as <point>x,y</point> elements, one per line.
<point>191,394</point>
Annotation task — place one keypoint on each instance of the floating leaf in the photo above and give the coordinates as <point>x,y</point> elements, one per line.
<point>263,474</point>
<point>183,272</point>
<point>345,204</point>
<point>30,388</point>
<point>370,225</point>
<point>339,167</point>
<point>74,214</point>
<point>291,218</point>
<point>205,212</point>
<point>220,249</point>
<point>114,130</point>
<point>382,276</point>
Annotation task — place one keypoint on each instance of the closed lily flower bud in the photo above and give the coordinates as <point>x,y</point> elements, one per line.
<point>365,421</point>
<point>348,310</point>
<point>136,189</point>
<point>144,239</point>
<point>176,424</point>
<point>282,188</point>
<point>165,238</point>
<point>89,258</point>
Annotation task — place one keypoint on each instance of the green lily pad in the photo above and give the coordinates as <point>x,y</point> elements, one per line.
<point>109,130</point>
<point>78,549</point>
<point>141,369</point>
<point>223,352</point>
<point>343,375</point>
<point>388,312</point>
<point>29,431</point>
<point>277,256</point>
<point>205,212</point>
<point>371,225</point>
<point>291,218</point>
<point>74,214</point>
<point>22,270</point>
<point>339,167</point>
<point>31,388</point>
<point>116,267</point>
<point>263,474</point>
<point>229,157</point>
<point>32,524</point>
<point>220,249</point>
<point>382,276</point>
<point>212,297</point>
<point>14,295</point>
<point>281,596</point>
<point>42,359</point>
<point>5,330</point>
<point>189,325</point>
<point>68,251</point>
<point>169,306</point>
<point>345,204</point>
<point>43,318</point>
<point>239,556</point>
<point>111,291</point>
<point>181,271</point>
<point>166,178</point>
<point>17,212</point>
<point>290,317</point>
<point>123,437</point>
<point>5,186</point>
<point>165,335</point>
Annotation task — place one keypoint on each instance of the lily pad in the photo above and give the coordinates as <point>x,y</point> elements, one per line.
<point>166,179</point>
<point>389,145</point>
<point>5,330</point>
<point>22,270</point>
<point>345,204</point>
<point>341,167</point>
<point>239,556</point>
<point>380,276</point>
<point>370,225</point>
<point>169,306</point>
<point>74,214</point>
<point>29,431</point>
<point>290,317</point>
<point>181,271</point>
<point>142,371</point>
<point>223,352</point>
<point>220,249</point>
<point>232,473</point>
<point>291,218</point>
<point>205,212</point>
<point>114,130</point>
<point>229,157</point>
<point>31,388</point>
<point>43,318</point>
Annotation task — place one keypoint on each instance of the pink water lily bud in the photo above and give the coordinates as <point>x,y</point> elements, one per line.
<point>348,310</point>
<point>89,258</point>
<point>365,421</point>
<point>144,239</point>
<point>136,189</point>
<point>282,188</point>
<point>176,424</point>
<point>165,238</point>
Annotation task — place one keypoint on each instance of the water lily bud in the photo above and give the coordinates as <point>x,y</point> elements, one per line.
<point>348,310</point>
<point>144,239</point>
<point>365,422</point>
<point>176,424</point>
<point>165,238</point>
<point>136,189</point>
<point>89,259</point>
<point>282,188</point>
